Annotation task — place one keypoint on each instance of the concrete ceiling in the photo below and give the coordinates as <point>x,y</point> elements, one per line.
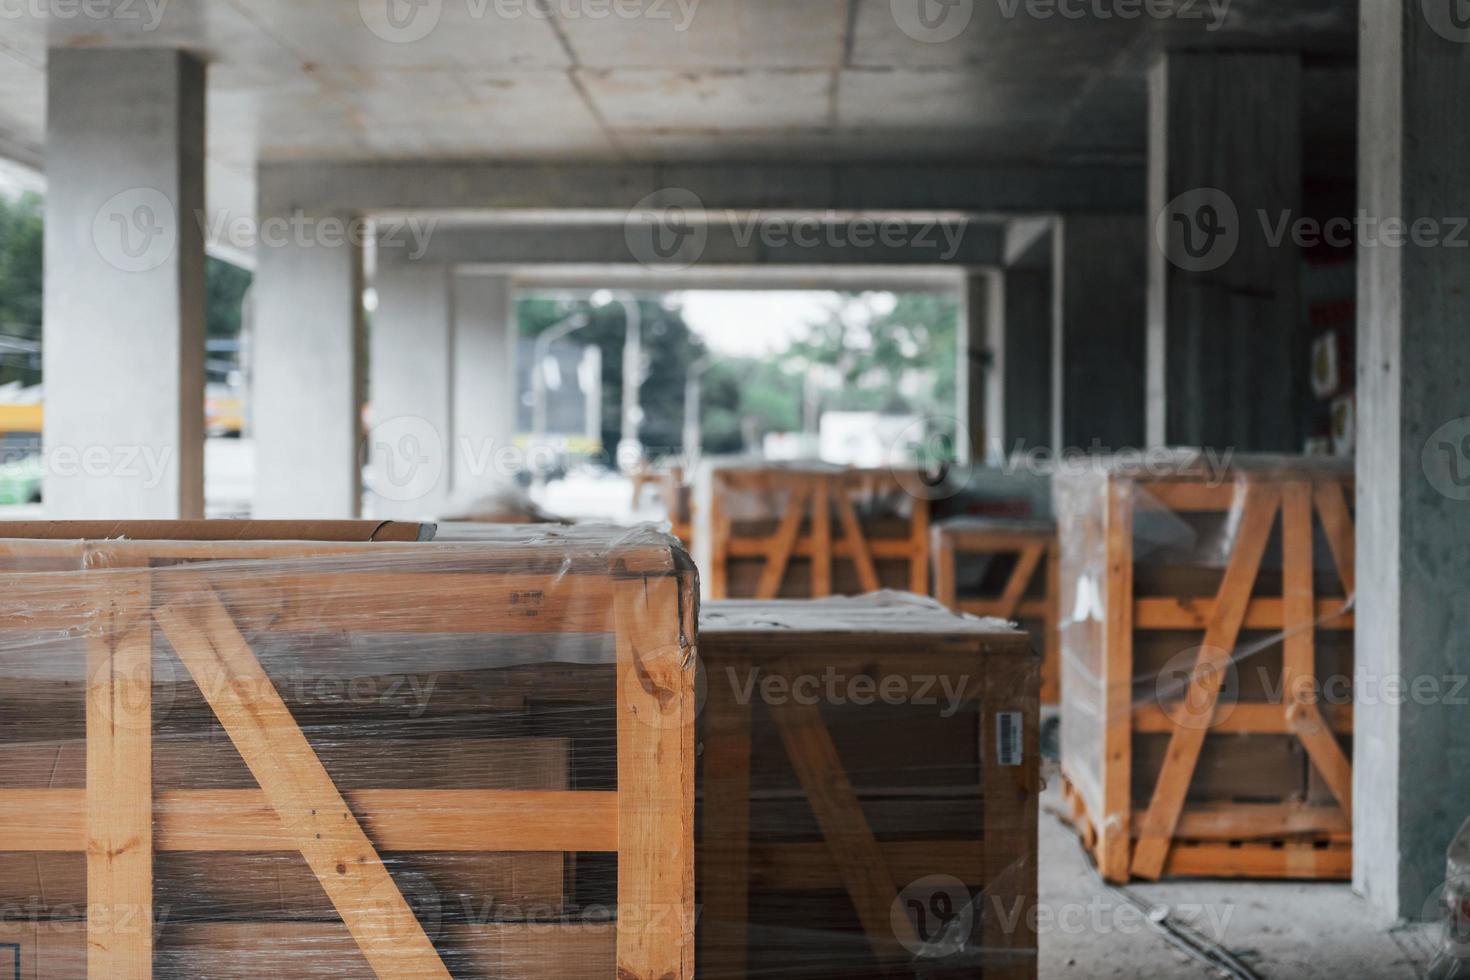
<point>688,80</point>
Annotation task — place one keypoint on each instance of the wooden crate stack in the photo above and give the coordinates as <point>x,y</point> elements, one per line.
<point>808,531</point>
<point>292,759</point>
<point>1207,667</point>
<point>1005,568</point>
<point>868,791</point>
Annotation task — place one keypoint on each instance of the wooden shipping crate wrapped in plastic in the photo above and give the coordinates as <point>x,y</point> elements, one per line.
<point>290,758</point>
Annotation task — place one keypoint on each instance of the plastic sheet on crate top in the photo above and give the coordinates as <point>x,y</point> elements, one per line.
<point>867,792</point>
<point>1206,615</point>
<point>297,758</point>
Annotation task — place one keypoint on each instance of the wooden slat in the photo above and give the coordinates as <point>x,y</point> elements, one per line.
<point>1026,609</point>
<point>1020,581</point>
<point>1263,613</point>
<point>655,740</point>
<point>845,829</point>
<point>943,554</point>
<point>1302,861</point>
<point>1324,750</point>
<point>1117,790</point>
<point>119,796</point>
<point>919,541</point>
<point>725,857</point>
<point>1157,829</point>
<point>1242,718</point>
<point>1193,496</point>
<point>1012,792</point>
<point>298,788</point>
<point>1337,524</point>
<point>821,539</point>
<point>396,820</point>
<point>885,549</point>
<point>778,547</point>
<point>1260,821</point>
<point>855,545</point>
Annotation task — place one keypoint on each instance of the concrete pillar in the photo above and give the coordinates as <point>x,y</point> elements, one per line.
<point>307,401</point>
<point>1024,373</point>
<point>980,351</point>
<point>123,357</point>
<point>1412,747</point>
<point>1225,171</point>
<point>410,394</point>
<point>484,383</point>
<point>1097,351</point>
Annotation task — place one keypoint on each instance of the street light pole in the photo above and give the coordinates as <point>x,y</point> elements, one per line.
<point>630,450</point>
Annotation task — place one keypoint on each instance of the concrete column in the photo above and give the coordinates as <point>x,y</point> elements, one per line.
<point>307,401</point>
<point>1024,373</point>
<point>1097,350</point>
<point>1413,520</point>
<point>123,323</point>
<point>1225,171</point>
<point>484,382</point>
<point>980,351</point>
<point>410,394</point>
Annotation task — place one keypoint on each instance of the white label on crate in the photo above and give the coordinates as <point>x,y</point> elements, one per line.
<point>1008,742</point>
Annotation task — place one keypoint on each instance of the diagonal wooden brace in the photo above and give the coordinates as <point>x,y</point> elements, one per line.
<point>312,811</point>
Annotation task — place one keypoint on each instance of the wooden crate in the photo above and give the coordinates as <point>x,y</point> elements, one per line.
<point>808,532</point>
<point>1207,668</point>
<point>217,819</point>
<point>1008,569</point>
<point>850,760</point>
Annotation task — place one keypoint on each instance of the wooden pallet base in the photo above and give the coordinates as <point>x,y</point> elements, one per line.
<point>1309,857</point>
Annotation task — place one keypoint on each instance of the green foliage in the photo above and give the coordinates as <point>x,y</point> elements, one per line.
<point>22,247</point>
<point>224,291</point>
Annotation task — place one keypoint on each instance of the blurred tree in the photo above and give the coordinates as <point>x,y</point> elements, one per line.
<point>21,245</point>
<point>224,292</point>
<point>669,348</point>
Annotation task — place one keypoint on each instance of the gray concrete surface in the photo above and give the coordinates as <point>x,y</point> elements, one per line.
<point>1282,930</point>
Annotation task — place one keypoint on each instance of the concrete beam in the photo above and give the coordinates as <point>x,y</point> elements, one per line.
<point>678,245</point>
<point>1411,742</point>
<point>1098,287</point>
<point>1028,243</point>
<point>1224,315</point>
<point>124,285</point>
<point>620,187</point>
<point>766,277</point>
<point>307,404</point>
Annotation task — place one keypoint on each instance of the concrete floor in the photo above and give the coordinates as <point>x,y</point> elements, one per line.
<point>1282,930</point>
